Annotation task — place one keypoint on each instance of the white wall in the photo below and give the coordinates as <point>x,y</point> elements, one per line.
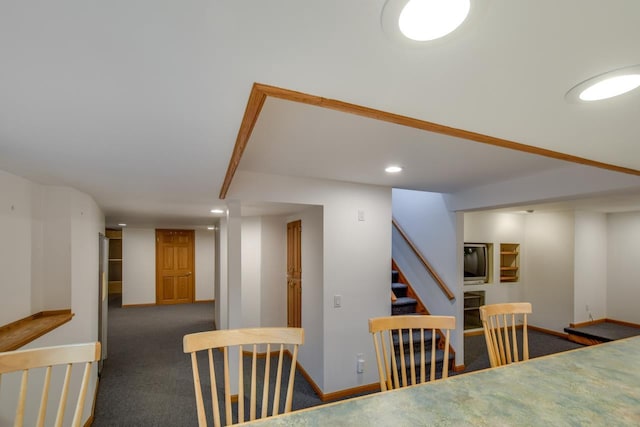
<point>590,266</point>
<point>15,251</point>
<point>356,256</point>
<point>139,265</point>
<point>357,265</point>
<point>623,273</point>
<point>38,282</point>
<point>221,279</point>
<point>273,304</point>
<point>57,204</point>
<point>30,224</point>
<point>205,264</point>
<point>547,264</point>
<point>312,291</point>
<point>251,265</point>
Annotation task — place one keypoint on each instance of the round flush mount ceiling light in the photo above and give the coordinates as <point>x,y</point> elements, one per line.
<point>424,20</point>
<point>393,169</point>
<point>607,85</point>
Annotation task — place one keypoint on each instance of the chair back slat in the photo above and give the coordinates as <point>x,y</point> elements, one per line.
<point>42,413</point>
<point>265,386</point>
<point>500,323</point>
<point>411,368</point>
<point>22,400</point>
<point>276,395</point>
<point>63,356</point>
<point>240,385</point>
<point>292,374</point>
<point>84,387</point>
<point>256,339</point>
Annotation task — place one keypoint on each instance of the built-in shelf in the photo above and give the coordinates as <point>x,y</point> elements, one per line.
<point>115,261</point>
<point>472,302</point>
<point>509,262</point>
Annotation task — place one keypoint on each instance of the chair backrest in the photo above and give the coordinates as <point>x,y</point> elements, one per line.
<point>402,344</point>
<point>498,320</point>
<point>66,356</point>
<point>225,340</point>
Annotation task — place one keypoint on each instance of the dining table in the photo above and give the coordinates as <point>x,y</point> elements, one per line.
<point>598,385</point>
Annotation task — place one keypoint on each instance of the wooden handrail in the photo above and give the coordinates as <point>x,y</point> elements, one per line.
<point>443,286</point>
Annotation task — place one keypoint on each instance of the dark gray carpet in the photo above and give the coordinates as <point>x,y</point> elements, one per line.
<point>606,331</point>
<point>147,379</point>
<point>540,344</point>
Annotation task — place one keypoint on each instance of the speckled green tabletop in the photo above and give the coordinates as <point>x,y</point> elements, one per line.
<point>593,386</point>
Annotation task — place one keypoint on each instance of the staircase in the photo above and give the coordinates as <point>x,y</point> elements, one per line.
<point>405,302</point>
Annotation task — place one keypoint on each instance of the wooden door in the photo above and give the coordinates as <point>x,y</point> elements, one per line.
<point>294,274</point>
<point>174,266</point>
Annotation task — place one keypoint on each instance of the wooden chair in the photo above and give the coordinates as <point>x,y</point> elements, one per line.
<point>497,320</point>
<point>66,356</point>
<point>237,338</point>
<point>401,344</point>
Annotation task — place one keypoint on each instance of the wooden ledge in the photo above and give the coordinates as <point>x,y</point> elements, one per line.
<point>21,332</point>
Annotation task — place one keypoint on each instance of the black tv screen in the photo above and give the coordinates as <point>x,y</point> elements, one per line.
<point>475,262</point>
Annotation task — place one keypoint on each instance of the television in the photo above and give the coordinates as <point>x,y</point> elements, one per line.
<point>476,263</point>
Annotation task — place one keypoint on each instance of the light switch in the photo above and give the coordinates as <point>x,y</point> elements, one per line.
<point>360,215</point>
<point>337,301</point>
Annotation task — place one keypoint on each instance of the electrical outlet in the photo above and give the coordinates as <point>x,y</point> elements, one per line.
<point>360,363</point>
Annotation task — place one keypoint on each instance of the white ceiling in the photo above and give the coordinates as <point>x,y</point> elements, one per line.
<point>138,102</point>
<point>302,140</point>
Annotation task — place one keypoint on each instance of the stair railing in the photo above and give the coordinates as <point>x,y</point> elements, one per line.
<point>432,272</point>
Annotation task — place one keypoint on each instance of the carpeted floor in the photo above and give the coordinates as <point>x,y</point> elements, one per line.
<point>147,379</point>
<point>540,344</point>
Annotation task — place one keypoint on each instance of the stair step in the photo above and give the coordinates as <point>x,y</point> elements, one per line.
<point>405,301</point>
<point>394,276</point>
<point>399,289</point>
<point>404,305</point>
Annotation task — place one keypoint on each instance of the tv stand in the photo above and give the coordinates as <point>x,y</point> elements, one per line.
<point>472,302</point>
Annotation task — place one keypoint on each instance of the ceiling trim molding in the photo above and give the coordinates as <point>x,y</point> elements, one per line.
<point>251,114</point>
<point>260,92</point>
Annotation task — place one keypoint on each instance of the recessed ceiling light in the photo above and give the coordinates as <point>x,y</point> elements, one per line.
<point>122,224</point>
<point>607,85</point>
<point>423,20</point>
<point>393,169</point>
<point>217,211</point>
<point>211,228</point>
